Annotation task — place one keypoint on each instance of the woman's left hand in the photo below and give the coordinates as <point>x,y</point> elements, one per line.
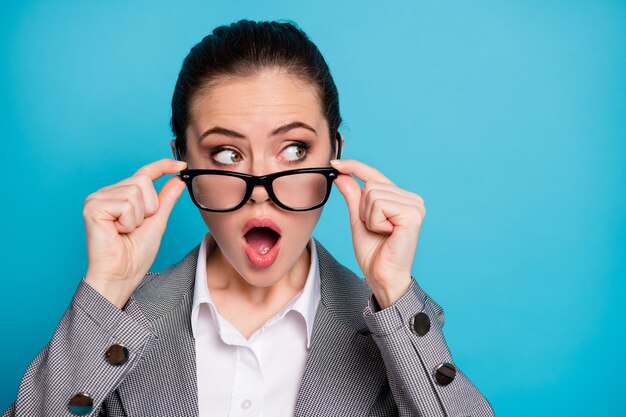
<point>385,222</point>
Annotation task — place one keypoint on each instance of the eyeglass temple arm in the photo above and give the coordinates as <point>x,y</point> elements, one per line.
<point>338,137</point>
<point>177,151</point>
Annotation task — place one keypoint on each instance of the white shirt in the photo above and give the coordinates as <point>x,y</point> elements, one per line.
<point>259,376</point>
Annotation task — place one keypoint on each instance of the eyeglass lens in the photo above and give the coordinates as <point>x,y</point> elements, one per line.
<point>223,192</point>
<point>218,192</point>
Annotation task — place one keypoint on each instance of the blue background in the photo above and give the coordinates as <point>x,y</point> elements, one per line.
<point>508,118</point>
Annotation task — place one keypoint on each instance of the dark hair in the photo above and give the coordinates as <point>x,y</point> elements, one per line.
<point>243,48</point>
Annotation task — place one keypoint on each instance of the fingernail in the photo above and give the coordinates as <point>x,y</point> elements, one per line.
<point>335,162</point>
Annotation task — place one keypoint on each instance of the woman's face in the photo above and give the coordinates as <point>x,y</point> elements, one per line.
<point>264,123</point>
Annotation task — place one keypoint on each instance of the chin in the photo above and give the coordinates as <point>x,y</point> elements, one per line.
<point>264,277</point>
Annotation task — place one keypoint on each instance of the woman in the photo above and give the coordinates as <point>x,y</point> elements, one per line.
<point>259,319</point>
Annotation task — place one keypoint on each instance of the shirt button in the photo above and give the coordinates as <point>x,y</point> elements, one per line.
<point>246,404</point>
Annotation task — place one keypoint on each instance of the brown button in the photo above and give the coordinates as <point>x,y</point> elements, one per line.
<point>81,404</point>
<point>444,373</point>
<point>420,324</point>
<point>116,355</point>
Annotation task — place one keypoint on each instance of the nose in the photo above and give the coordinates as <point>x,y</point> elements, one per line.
<point>259,195</point>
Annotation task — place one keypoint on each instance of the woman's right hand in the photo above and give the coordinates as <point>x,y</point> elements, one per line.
<point>125,223</point>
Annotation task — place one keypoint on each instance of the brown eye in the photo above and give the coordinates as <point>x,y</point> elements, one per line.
<point>295,152</point>
<point>227,157</point>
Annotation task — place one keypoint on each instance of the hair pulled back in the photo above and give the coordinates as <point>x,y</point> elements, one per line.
<point>242,49</point>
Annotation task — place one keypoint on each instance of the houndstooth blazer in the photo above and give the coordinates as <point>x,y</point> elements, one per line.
<point>361,362</point>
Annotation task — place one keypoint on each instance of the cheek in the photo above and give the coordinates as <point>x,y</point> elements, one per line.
<point>299,226</point>
<point>296,226</point>
<point>219,223</point>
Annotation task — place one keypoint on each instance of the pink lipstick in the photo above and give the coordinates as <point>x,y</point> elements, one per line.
<point>261,241</point>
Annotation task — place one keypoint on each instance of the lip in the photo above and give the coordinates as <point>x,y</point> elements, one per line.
<point>260,222</point>
<point>257,260</point>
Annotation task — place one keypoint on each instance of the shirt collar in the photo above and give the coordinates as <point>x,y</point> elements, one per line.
<point>305,302</point>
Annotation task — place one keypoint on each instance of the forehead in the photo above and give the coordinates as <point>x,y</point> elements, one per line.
<point>256,104</point>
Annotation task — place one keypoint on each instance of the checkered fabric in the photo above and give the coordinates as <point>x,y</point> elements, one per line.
<point>362,362</point>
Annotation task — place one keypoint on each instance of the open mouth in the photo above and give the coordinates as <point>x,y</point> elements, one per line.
<point>261,240</point>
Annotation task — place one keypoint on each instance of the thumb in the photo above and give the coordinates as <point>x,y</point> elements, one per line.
<point>168,196</point>
<point>351,191</point>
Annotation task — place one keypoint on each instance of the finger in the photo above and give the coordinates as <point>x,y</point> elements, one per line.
<point>372,195</point>
<point>360,170</point>
<point>118,213</point>
<point>373,185</point>
<point>146,175</point>
<point>376,219</point>
<point>351,191</point>
<point>131,193</point>
<point>168,196</point>
<point>386,215</point>
<point>157,169</point>
<point>144,182</point>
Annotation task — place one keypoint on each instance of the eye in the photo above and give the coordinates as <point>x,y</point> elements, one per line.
<point>227,156</point>
<point>295,152</point>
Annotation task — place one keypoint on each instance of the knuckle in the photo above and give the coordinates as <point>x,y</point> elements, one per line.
<point>90,197</point>
<point>370,186</point>
<point>367,198</point>
<point>146,184</point>
<point>87,207</point>
<point>89,204</point>
<point>368,223</point>
<point>376,204</point>
<point>419,199</point>
<point>417,214</point>
<point>142,179</point>
<point>373,197</point>
<point>127,206</point>
<point>374,171</point>
<point>135,191</point>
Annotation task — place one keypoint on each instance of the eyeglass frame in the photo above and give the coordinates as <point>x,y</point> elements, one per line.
<point>266,181</point>
<point>330,173</point>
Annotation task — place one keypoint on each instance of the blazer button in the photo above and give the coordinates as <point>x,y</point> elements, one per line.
<point>444,373</point>
<point>116,355</point>
<point>81,404</point>
<point>420,324</point>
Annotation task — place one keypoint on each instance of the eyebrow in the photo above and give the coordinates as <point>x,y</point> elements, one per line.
<point>233,134</point>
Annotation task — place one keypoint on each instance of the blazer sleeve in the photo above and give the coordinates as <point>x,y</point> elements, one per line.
<point>422,375</point>
<point>74,360</point>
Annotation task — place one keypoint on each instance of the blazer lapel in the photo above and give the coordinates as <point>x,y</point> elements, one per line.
<point>344,371</point>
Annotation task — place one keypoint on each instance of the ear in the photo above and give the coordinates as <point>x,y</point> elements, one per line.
<point>173,146</point>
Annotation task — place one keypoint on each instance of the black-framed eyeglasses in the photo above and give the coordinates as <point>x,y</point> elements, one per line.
<point>294,190</point>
